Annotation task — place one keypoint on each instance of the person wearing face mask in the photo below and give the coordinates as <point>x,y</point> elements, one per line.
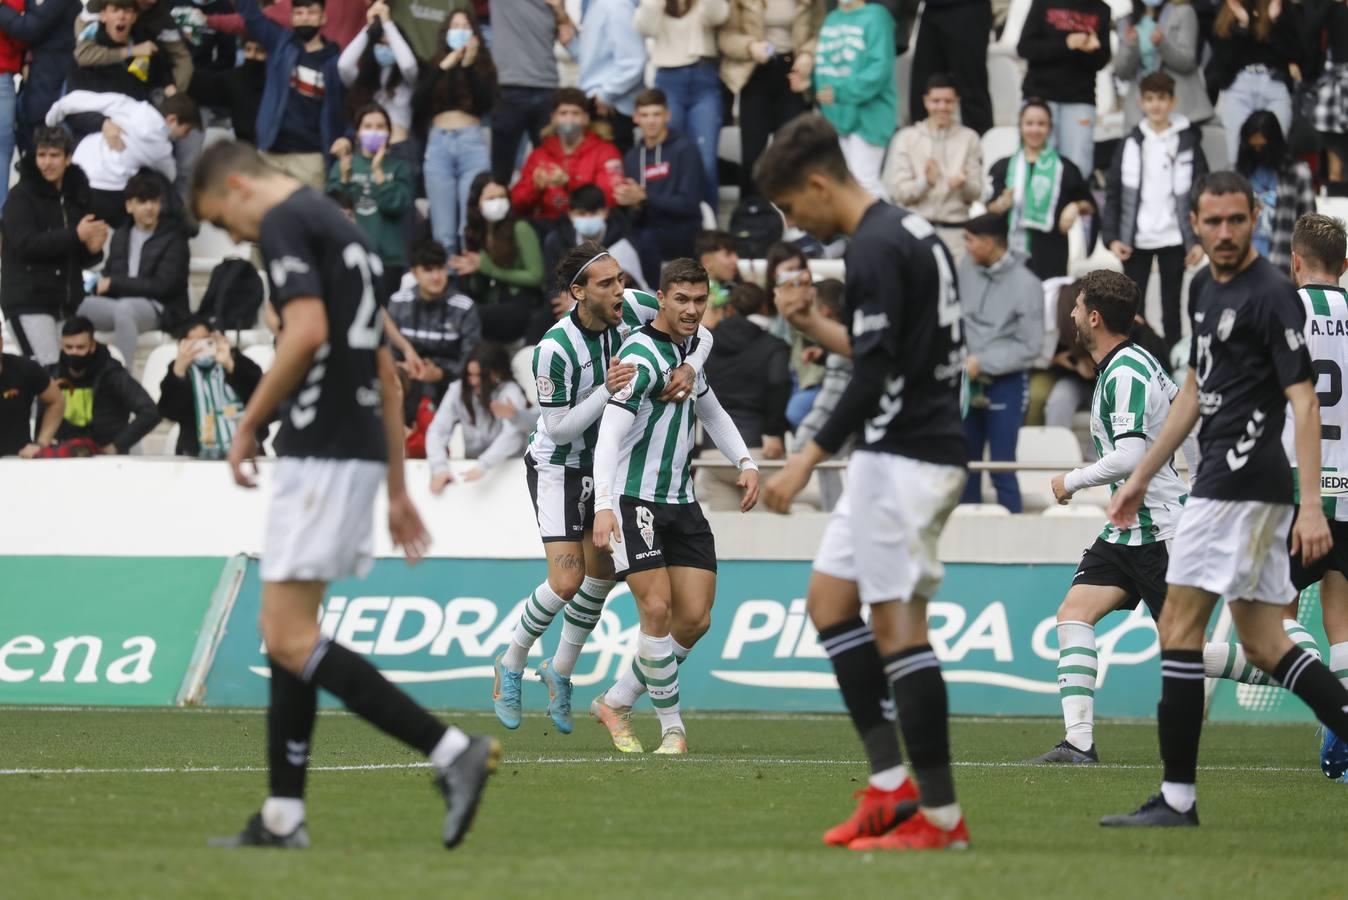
<point>378,66</point>
<point>451,98</point>
<point>572,154</point>
<point>302,110</point>
<point>380,188</point>
<point>106,410</point>
<point>237,91</point>
<point>205,391</point>
<point>1282,187</point>
<point>588,219</point>
<point>502,266</point>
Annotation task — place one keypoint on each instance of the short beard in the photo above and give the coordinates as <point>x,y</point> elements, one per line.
<point>1243,255</point>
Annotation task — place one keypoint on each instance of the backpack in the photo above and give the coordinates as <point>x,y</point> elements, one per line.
<point>755,225</point>
<point>233,296</point>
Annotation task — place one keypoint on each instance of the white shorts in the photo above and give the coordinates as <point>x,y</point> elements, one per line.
<point>1234,548</point>
<point>321,523</point>
<point>884,532</point>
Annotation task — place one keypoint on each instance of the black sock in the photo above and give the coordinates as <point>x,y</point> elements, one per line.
<point>861,678</point>
<point>370,695</point>
<point>924,717</point>
<point>1304,675</point>
<point>1179,715</point>
<point>290,725</point>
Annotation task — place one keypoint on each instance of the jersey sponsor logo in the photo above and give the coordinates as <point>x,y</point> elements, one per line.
<point>545,388</point>
<point>1239,455</point>
<point>1125,421</point>
<point>1333,484</point>
<point>1225,324</point>
<point>281,268</point>
<point>646,527</point>
<point>864,323</point>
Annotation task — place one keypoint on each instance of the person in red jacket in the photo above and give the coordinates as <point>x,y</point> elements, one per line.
<point>571,155</point>
<point>11,61</point>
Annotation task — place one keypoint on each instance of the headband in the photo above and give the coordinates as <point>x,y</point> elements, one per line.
<point>593,259</point>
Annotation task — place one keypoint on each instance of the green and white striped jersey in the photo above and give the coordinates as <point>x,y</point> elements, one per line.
<point>570,362</point>
<point>1132,398</point>
<point>1327,342</point>
<point>655,461</point>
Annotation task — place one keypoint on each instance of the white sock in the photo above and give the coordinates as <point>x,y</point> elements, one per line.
<point>1338,662</point>
<point>659,670</point>
<point>1222,660</point>
<point>1181,797</point>
<point>1301,637</point>
<point>282,815</point>
<point>943,817</point>
<point>451,745</point>
<point>626,689</point>
<point>889,779</point>
<point>582,615</point>
<point>538,613</point>
<point>1077,668</point>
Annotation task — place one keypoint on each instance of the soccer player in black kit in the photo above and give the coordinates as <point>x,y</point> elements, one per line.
<point>1247,363</point>
<point>341,436</point>
<point>904,479</point>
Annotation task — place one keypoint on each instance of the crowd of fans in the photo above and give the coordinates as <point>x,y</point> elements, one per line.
<point>444,129</point>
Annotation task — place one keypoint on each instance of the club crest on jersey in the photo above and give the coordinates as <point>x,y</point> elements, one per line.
<point>625,393</point>
<point>646,526</point>
<point>1225,324</point>
<point>545,388</point>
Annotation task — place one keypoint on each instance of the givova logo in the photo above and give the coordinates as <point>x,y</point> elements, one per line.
<point>79,659</point>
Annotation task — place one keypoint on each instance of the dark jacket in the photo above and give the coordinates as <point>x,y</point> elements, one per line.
<point>177,405</point>
<point>48,28</point>
<point>1123,186</point>
<point>672,176</point>
<point>1048,249</point>
<point>443,331</point>
<point>1055,71</point>
<point>283,53</point>
<point>163,270</point>
<point>239,91</point>
<point>1242,48</point>
<point>749,370</point>
<point>41,256</point>
<point>122,412</point>
<point>116,78</point>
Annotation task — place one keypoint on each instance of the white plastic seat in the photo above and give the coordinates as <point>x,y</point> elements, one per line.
<point>1004,77</point>
<point>262,354</point>
<point>522,367</point>
<point>1044,445</point>
<point>157,365</point>
<point>980,510</point>
<point>1075,510</point>
<point>998,143</point>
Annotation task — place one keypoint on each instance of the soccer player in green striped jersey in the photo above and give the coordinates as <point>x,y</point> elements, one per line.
<point>645,511</point>
<point>1319,247</point>
<point>577,370</point>
<point>1124,565</point>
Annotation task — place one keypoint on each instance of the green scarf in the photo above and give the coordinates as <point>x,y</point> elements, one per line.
<point>1036,196</point>
<point>218,410</point>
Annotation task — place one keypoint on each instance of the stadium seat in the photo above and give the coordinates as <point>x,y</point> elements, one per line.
<point>1015,22</point>
<point>1044,445</point>
<point>522,367</point>
<point>756,270</point>
<point>262,354</point>
<point>708,217</point>
<point>728,145</point>
<point>979,510</point>
<point>1075,510</point>
<point>1005,73</point>
<point>1214,145</point>
<point>170,443</point>
<point>999,142</point>
<point>156,367</point>
<point>116,354</point>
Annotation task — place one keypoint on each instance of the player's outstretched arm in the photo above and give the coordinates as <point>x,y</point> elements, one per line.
<point>1310,534</point>
<point>613,428</point>
<point>1115,465</point>
<point>404,522</point>
<point>730,442</point>
<point>1181,421</point>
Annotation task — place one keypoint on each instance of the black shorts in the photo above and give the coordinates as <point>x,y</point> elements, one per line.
<point>1335,560</point>
<point>657,535</point>
<point>1138,570</point>
<point>563,500</point>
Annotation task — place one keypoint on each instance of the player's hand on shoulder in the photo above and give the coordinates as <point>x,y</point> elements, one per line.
<point>749,484</point>
<point>606,530</point>
<point>406,528</point>
<point>620,374</point>
<point>680,383</point>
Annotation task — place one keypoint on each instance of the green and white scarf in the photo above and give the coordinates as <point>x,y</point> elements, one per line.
<point>1036,196</point>
<point>218,410</point>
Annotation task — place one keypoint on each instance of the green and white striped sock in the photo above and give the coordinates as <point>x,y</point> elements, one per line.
<point>1228,660</point>
<point>1301,637</point>
<point>539,611</point>
<point>658,669</point>
<point>1077,669</point>
<point>578,621</point>
<point>1338,662</point>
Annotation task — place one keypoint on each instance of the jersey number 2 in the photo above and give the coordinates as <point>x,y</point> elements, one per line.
<point>368,323</point>
<point>1329,398</point>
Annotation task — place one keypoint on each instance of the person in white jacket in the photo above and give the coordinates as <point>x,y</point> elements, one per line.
<point>380,62</point>
<point>492,409</point>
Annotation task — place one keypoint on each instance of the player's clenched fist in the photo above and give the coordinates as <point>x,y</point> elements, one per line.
<point>606,530</point>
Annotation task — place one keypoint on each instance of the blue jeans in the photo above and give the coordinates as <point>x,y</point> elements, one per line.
<point>8,111</point>
<point>996,427</point>
<point>1249,93</point>
<point>694,95</point>
<point>453,160</point>
<point>1074,134</point>
<point>798,407</point>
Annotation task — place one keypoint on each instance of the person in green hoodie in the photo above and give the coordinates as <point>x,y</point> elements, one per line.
<point>854,85</point>
<point>380,188</point>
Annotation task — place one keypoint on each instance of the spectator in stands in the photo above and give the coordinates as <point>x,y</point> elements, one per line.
<point>49,237</point>
<point>47,29</point>
<point>1003,322</point>
<point>302,111</point>
<point>237,91</point>
<point>787,265</point>
<point>612,65</point>
<point>205,391</point>
<point>831,301</point>
<point>935,168</point>
<point>1064,43</point>
<point>144,282</point>
<point>503,265</point>
<point>716,251</point>
<point>1146,214</point>
<point>662,190</point>
<point>421,23</point>
<point>450,100</point>
<point>522,41</point>
<point>588,219</point>
<point>953,41</point>
<point>767,58</point>
<point>749,370</point>
<point>141,31</point>
<point>1328,19</point>
<point>21,382</point>
<point>1161,36</point>
<point>438,321</point>
<point>1042,193</point>
<point>106,411</point>
<point>378,66</point>
<point>11,62</point>
<point>380,188</point>
<point>571,155</point>
<point>684,53</point>
<point>1255,44</point>
<point>1282,185</point>
<point>342,21</point>
<point>491,408</point>
<point>854,85</point>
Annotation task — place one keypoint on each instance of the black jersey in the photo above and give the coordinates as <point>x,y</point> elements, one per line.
<point>310,249</point>
<point>1248,345</point>
<point>908,355</point>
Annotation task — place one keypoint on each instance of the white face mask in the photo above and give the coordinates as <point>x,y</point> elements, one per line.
<point>495,209</point>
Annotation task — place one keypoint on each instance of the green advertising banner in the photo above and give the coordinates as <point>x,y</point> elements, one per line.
<point>436,628</point>
<point>100,630</point>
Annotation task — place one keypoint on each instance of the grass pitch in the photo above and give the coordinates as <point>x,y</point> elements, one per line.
<point>741,817</point>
